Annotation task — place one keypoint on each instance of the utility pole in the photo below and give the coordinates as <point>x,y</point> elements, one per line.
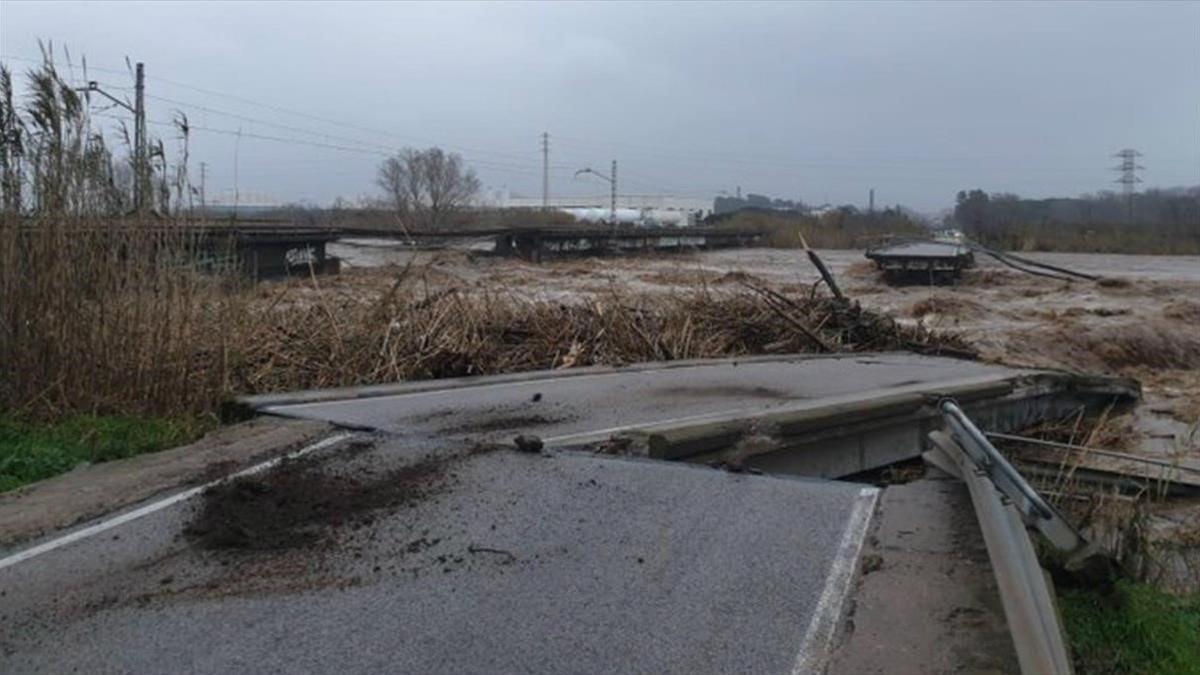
<point>141,165</point>
<point>545,171</point>
<point>10,157</point>
<point>1129,178</point>
<point>614,193</point>
<point>237,189</point>
<point>871,202</point>
<point>203,179</point>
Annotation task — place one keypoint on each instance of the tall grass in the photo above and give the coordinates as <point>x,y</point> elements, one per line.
<point>100,310</point>
<point>1134,629</point>
<point>104,316</point>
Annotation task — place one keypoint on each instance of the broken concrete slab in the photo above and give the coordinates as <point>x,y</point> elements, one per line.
<point>844,435</point>
<point>561,406</point>
<point>863,411</point>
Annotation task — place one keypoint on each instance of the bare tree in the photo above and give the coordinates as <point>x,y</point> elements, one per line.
<point>426,187</point>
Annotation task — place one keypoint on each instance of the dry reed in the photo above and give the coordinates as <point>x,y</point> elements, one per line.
<point>410,333</point>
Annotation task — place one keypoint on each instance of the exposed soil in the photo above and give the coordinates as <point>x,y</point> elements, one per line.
<point>297,504</point>
<point>506,423</point>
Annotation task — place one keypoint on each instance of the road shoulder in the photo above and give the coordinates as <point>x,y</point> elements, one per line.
<point>94,490</point>
<point>927,600</point>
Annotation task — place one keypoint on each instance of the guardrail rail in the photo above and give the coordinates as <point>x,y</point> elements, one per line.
<point>1006,505</point>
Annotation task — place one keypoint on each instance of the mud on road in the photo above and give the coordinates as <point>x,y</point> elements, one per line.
<point>301,504</point>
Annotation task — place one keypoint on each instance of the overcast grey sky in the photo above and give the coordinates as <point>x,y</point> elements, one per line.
<point>816,101</point>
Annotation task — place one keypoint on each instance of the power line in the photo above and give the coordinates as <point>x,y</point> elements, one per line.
<point>318,118</point>
<point>334,122</point>
<point>266,123</point>
<point>82,65</point>
<point>280,139</point>
<point>377,150</point>
<point>814,163</point>
<point>657,154</point>
<point>545,170</point>
<point>488,163</point>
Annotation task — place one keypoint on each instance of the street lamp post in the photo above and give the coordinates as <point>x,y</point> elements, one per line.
<point>141,173</point>
<point>612,182</point>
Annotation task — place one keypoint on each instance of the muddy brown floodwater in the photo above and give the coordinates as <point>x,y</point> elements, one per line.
<point>1139,321</point>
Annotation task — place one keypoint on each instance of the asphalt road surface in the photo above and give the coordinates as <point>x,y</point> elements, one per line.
<point>417,548</point>
<point>498,562</point>
<point>586,407</point>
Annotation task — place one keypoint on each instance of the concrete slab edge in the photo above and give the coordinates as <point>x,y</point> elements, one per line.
<point>262,402</point>
<point>679,441</point>
<point>690,440</point>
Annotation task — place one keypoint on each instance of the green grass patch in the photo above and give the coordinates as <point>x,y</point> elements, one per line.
<point>32,451</point>
<point>1132,629</point>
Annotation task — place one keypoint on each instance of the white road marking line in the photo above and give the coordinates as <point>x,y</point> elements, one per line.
<point>602,434</point>
<point>815,647</point>
<point>152,507</point>
<point>283,407</point>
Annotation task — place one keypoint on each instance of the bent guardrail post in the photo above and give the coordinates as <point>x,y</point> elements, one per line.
<point>1034,511</point>
<point>1029,608</point>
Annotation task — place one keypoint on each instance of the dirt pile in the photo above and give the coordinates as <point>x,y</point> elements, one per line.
<point>298,505</point>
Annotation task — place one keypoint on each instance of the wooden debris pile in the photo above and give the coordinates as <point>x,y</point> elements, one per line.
<point>410,334</point>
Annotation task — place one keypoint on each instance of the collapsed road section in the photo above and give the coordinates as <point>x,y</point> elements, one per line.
<point>423,541</point>
<point>816,416</point>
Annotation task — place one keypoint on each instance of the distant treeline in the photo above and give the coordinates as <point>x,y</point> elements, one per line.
<point>845,227</point>
<point>1153,221</point>
<point>753,201</point>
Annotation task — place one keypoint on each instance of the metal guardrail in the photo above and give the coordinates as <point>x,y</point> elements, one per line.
<point>1005,504</point>
<point>1034,510</point>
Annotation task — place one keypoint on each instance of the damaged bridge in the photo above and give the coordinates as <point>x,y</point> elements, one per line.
<point>417,538</point>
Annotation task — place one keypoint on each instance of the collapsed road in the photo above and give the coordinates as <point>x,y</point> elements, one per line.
<point>422,541</point>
